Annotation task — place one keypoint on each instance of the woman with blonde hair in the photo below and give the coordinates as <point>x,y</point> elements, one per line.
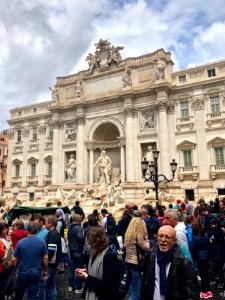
<point>136,241</point>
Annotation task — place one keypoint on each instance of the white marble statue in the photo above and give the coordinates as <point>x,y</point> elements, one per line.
<point>103,164</point>
<point>71,169</point>
<point>148,154</point>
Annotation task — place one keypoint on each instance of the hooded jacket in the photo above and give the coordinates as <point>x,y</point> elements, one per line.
<point>17,235</point>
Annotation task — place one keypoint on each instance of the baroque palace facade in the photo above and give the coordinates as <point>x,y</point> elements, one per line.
<point>122,107</point>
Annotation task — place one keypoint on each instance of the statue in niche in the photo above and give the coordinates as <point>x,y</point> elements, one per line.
<point>71,169</point>
<point>160,71</point>
<point>149,158</point>
<point>103,164</point>
<point>55,95</point>
<point>148,154</point>
<point>70,134</point>
<point>147,121</point>
<point>78,89</point>
<point>126,77</point>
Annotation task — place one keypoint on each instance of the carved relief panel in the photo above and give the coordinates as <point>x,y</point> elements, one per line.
<point>147,120</point>
<point>70,132</point>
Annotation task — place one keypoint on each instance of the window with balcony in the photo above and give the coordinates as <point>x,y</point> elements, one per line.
<point>211,72</point>
<point>215,104</point>
<point>34,133</point>
<point>187,154</point>
<point>17,170</point>
<point>219,156</point>
<point>182,78</point>
<point>33,170</point>
<point>49,168</point>
<point>19,113</point>
<point>34,110</point>
<point>19,134</point>
<point>184,112</point>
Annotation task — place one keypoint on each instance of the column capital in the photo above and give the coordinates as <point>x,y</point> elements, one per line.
<point>161,104</point>
<point>80,120</point>
<point>122,142</point>
<point>91,146</point>
<point>42,129</point>
<point>198,102</point>
<point>11,134</point>
<point>56,123</point>
<point>131,111</point>
<point>171,106</point>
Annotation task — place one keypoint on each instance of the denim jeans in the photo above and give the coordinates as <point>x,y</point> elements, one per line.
<point>76,261</point>
<point>135,285</point>
<point>28,281</point>
<point>47,287</point>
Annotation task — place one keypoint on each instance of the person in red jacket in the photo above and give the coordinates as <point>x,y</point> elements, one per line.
<point>18,234</point>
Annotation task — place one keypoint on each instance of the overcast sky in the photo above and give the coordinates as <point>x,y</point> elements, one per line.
<point>43,39</point>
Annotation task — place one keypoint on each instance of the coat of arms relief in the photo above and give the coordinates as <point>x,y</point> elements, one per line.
<point>105,56</point>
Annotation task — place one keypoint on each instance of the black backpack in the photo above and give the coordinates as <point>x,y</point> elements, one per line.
<point>123,280</point>
<point>111,225</point>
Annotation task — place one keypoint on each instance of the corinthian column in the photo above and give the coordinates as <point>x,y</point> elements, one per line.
<point>57,138</point>
<point>122,161</point>
<point>130,146</point>
<point>163,136</point>
<point>171,128</point>
<point>80,155</point>
<point>198,104</point>
<point>91,163</point>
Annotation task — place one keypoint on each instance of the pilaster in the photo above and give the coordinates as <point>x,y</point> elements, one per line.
<point>80,154</point>
<point>130,112</point>
<point>161,106</point>
<point>198,104</point>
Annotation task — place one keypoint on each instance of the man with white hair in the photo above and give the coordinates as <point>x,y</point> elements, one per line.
<point>167,273</point>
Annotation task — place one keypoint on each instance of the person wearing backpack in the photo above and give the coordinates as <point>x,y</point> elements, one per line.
<point>108,222</point>
<point>75,244</point>
<point>100,278</point>
<point>76,209</point>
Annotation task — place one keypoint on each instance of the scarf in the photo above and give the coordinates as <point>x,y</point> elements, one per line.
<point>95,268</point>
<point>162,260</point>
<point>59,210</point>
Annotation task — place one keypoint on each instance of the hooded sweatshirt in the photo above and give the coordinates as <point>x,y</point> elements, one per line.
<point>17,235</point>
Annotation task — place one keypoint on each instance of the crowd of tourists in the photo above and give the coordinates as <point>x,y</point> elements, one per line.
<point>164,253</point>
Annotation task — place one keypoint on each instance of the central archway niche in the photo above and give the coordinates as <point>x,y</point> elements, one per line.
<point>106,137</point>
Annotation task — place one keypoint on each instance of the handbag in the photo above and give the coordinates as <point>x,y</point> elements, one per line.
<point>141,258</point>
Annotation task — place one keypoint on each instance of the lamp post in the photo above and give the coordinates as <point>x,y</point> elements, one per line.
<point>153,175</point>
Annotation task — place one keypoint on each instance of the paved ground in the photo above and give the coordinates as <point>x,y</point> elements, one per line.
<point>63,292</point>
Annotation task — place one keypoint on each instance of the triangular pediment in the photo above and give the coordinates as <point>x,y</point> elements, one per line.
<point>186,145</point>
<point>32,159</point>
<point>217,140</point>
<point>48,157</point>
<point>17,161</point>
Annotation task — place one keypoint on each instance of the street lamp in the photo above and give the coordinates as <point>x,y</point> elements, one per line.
<point>150,172</point>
